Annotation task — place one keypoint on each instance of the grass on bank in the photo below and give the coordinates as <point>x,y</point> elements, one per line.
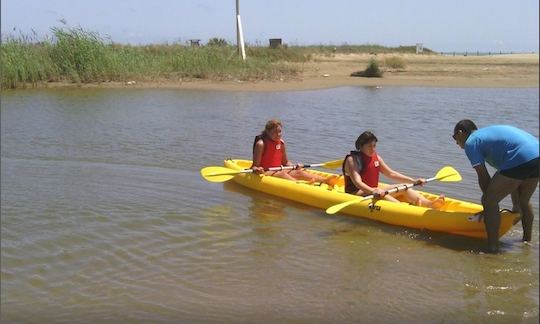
<point>80,56</point>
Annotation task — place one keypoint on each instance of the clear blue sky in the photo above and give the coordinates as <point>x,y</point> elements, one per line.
<point>441,25</point>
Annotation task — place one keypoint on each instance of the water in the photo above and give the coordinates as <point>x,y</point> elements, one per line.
<point>105,217</point>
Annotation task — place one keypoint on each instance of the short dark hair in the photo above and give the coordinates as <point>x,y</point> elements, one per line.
<point>466,126</point>
<point>365,138</point>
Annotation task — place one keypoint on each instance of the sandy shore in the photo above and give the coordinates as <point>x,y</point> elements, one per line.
<point>509,70</point>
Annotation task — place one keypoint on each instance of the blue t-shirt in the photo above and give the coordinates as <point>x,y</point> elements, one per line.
<point>501,146</point>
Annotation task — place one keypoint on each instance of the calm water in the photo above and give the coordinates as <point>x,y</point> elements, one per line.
<point>105,217</point>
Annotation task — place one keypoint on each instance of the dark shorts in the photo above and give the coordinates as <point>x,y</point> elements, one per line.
<point>524,171</point>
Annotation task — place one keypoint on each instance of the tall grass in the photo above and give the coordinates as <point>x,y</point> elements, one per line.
<point>80,56</point>
<point>24,62</point>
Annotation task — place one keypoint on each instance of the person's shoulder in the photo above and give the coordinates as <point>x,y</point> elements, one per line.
<point>512,129</point>
<point>496,131</point>
<point>259,142</point>
<point>349,159</point>
<point>498,128</point>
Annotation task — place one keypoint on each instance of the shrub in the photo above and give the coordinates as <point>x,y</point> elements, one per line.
<point>219,42</point>
<point>394,62</point>
<point>372,70</point>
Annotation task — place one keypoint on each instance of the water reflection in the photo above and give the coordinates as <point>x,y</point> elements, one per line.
<point>262,208</point>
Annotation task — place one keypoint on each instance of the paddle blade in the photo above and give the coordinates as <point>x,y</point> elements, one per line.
<point>448,174</point>
<point>336,208</point>
<point>218,174</point>
<point>333,164</point>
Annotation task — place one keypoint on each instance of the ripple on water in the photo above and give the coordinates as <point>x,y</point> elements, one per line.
<point>105,217</point>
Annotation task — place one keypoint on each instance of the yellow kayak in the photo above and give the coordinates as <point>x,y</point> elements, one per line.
<point>455,216</point>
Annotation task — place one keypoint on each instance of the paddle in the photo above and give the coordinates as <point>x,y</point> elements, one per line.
<point>446,174</point>
<point>222,174</point>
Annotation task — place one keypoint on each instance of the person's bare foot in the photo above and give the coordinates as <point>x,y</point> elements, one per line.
<point>331,180</point>
<point>438,203</point>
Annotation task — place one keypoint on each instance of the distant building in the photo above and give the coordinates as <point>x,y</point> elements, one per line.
<point>195,42</point>
<point>275,42</point>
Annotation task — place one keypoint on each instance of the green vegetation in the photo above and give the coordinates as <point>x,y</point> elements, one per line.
<point>220,42</point>
<point>394,62</point>
<point>80,56</point>
<point>372,70</point>
<point>363,49</point>
<point>22,60</point>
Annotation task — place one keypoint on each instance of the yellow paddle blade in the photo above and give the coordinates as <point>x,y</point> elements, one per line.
<point>333,164</point>
<point>218,174</point>
<point>334,209</point>
<point>448,174</point>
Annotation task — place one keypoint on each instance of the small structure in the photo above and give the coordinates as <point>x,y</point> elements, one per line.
<point>275,42</point>
<point>195,42</point>
<point>419,48</point>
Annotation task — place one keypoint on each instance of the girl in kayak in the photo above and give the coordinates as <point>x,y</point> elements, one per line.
<point>361,170</point>
<point>269,151</point>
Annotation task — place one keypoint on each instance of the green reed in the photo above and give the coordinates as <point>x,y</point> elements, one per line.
<point>24,62</point>
<point>80,56</point>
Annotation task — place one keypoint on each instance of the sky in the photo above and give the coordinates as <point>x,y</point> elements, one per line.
<point>440,25</point>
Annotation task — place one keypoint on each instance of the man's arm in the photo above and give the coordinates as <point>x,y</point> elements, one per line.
<point>483,176</point>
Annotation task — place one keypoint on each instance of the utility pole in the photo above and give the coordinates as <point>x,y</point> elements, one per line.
<point>239,33</point>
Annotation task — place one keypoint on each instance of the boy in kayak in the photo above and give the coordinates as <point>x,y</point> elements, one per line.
<point>269,151</point>
<point>361,169</point>
<point>514,154</point>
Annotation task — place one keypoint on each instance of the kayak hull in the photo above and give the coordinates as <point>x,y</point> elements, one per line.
<point>455,217</point>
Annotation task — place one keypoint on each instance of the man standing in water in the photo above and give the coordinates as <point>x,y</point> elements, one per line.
<point>514,153</point>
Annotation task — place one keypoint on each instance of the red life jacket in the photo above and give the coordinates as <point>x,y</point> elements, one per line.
<point>272,155</point>
<point>370,171</point>
<point>368,167</point>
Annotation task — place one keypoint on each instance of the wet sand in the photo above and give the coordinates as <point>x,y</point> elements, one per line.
<point>505,71</point>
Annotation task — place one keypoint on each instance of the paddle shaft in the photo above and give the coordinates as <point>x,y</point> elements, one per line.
<point>290,167</point>
<point>287,167</point>
<point>448,173</point>
<point>221,172</point>
<point>402,187</point>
